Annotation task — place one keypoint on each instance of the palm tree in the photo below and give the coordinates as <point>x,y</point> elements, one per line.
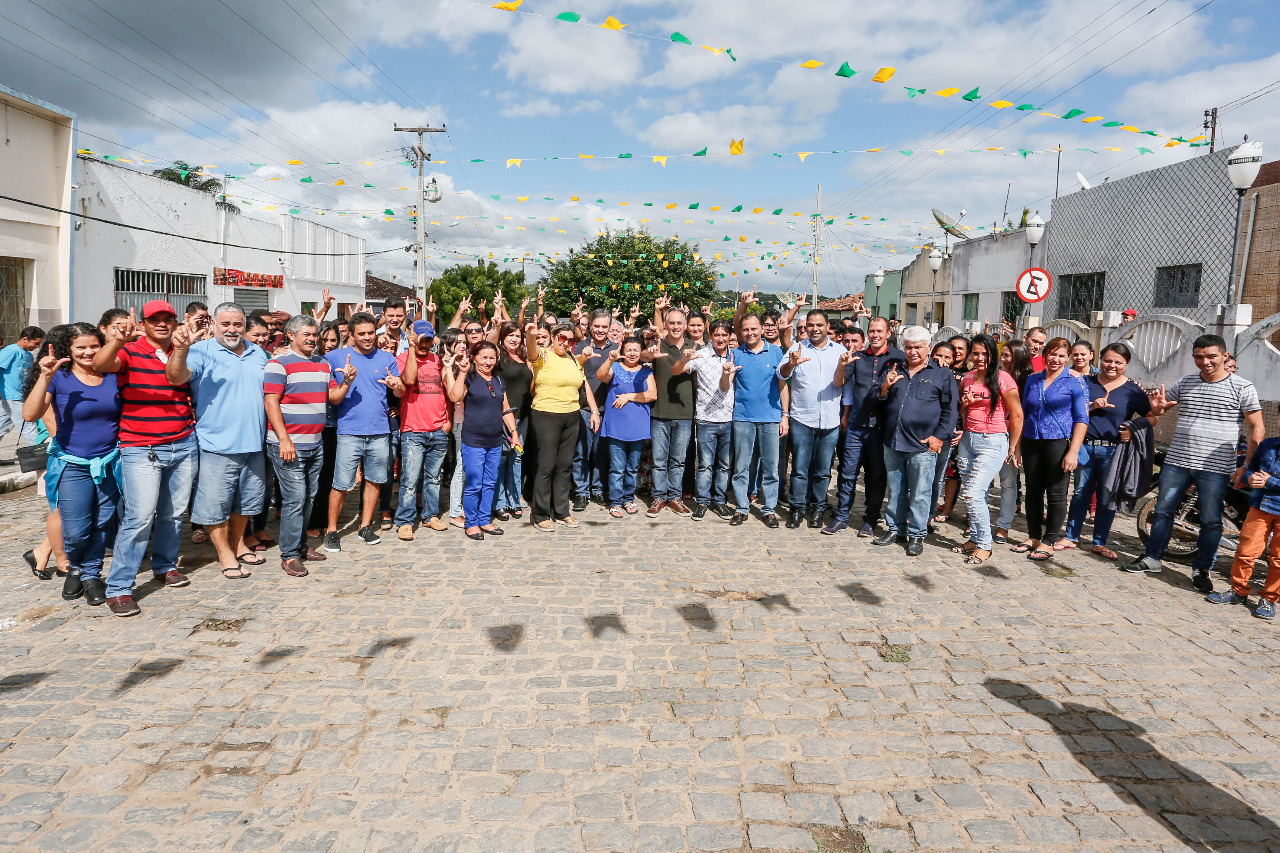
<point>182,172</point>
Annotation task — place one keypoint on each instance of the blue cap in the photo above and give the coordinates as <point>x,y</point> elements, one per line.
<point>424,329</point>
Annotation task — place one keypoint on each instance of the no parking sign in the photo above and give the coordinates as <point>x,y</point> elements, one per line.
<point>1034,285</point>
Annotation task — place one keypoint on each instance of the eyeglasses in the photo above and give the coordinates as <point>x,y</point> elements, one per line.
<point>474,330</point>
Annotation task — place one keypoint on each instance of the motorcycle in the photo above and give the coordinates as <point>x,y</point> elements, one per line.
<point>1186,520</point>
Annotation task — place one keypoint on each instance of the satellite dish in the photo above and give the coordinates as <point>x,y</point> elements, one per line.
<point>1084,183</point>
<point>949,224</point>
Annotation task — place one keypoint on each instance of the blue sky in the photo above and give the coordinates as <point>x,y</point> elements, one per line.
<point>268,81</point>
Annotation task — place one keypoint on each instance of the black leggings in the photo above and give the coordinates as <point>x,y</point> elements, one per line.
<point>1042,466</point>
<point>320,507</point>
<point>557,435</point>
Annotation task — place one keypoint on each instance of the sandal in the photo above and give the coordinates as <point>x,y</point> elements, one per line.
<point>546,526</point>
<point>966,548</point>
<point>1105,553</point>
<point>264,544</point>
<point>616,512</point>
<point>250,559</point>
<point>199,537</point>
<point>1040,555</point>
<point>1064,545</point>
<point>941,519</point>
<point>975,559</point>
<point>1020,548</point>
<point>1001,539</point>
<point>240,574</point>
<point>631,509</point>
<point>517,512</point>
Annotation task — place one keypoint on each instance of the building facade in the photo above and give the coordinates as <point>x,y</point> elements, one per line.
<point>260,264</point>
<point>924,300</point>
<point>883,300</point>
<point>1259,272</point>
<point>983,277</point>
<point>35,257</point>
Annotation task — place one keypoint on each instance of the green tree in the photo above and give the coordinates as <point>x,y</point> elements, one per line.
<point>617,270</point>
<point>479,281</point>
<point>182,172</point>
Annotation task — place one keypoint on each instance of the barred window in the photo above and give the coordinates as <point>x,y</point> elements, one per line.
<point>971,306</point>
<point>1011,306</point>
<point>1078,295</point>
<point>1178,287</point>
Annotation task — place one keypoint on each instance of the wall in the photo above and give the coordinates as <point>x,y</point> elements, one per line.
<point>36,165</point>
<point>1175,215</point>
<point>120,194</point>
<point>888,293</point>
<point>1261,287</point>
<point>918,289</point>
<point>989,266</point>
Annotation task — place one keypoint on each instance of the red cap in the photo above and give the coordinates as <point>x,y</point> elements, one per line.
<point>157,306</point>
<point>1126,312</point>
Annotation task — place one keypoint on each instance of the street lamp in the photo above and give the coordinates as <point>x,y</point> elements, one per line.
<point>1242,168</point>
<point>878,278</point>
<point>935,264</point>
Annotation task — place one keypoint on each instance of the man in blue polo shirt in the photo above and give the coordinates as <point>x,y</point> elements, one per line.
<point>760,417</point>
<point>225,374</point>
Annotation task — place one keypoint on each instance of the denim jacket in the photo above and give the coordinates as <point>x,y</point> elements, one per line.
<point>1266,459</point>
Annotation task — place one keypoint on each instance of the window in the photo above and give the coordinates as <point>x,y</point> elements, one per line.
<point>1078,295</point>
<point>911,314</point>
<point>1011,307</point>
<point>970,306</point>
<point>308,308</point>
<point>1178,287</point>
<point>252,298</point>
<point>135,288</point>
<point>13,298</point>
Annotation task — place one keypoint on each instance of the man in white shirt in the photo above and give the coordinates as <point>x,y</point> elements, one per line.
<point>713,406</point>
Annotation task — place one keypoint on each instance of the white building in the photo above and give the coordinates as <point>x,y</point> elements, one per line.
<point>36,163</point>
<point>126,267</point>
<point>984,276</point>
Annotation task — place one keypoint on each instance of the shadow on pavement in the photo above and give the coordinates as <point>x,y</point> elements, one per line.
<point>146,671</point>
<point>376,648</point>
<point>1114,750</point>
<point>860,593</point>
<point>270,656</point>
<point>698,616</point>
<point>20,680</point>
<point>604,622</point>
<point>505,638</point>
<point>778,600</point>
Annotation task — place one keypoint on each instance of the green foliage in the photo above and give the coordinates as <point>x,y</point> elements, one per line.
<point>182,172</point>
<point>617,270</point>
<point>480,282</point>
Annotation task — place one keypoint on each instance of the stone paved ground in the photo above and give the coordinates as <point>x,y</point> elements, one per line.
<point>638,685</point>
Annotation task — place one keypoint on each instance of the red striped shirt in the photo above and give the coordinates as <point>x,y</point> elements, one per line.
<point>155,412</point>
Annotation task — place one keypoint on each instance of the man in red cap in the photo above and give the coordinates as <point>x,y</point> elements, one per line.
<point>157,452</point>
<point>1128,315</point>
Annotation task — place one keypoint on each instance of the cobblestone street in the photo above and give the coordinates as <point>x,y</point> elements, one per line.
<point>638,685</point>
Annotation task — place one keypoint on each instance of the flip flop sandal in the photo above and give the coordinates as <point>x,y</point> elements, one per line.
<point>1040,555</point>
<point>264,544</point>
<point>616,512</point>
<point>240,574</point>
<point>974,560</point>
<point>631,509</point>
<point>941,519</point>
<point>1001,540</point>
<point>1106,553</point>
<point>199,537</point>
<point>1064,545</point>
<point>1020,548</point>
<point>244,558</point>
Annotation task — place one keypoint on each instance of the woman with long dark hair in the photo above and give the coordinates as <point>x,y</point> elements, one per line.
<point>82,477</point>
<point>488,426</point>
<point>991,413</point>
<point>329,340</point>
<point>513,367</point>
<point>555,419</point>
<point>1056,404</point>
<point>1114,399</point>
<point>1015,360</point>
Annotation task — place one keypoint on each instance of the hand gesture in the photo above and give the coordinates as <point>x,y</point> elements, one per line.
<point>497,297</point>
<point>50,365</point>
<point>1101,403</point>
<point>348,371</point>
<point>662,303</point>
<point>431,304</point>
<point>968,398</point>
<point>524,303</point>
<point>362,308</point>
<point>185,335</point>
<point>393,383</point>
<point>933,443</point>
<point>706,310</point>
<point>689,354</point>
<point>615,312</point>
<point>1258,479</point>
<point>747,297</point>
<point>126,330</point>
<point>635,312</point>
<point>464,307</point>
<point>1159,400</point>
<point>802,300</point>
<point>729,367</point>
<point>889,380</point>
<point>847,357</point>
<point>326,297</point>
<point>413,336</point>
<point>795,358</point>
<point>542,295</point>
<point>588,352</point>
<point>480,307</point>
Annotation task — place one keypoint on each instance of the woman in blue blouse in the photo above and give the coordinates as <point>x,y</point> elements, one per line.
<point>1113,400</point>
<point>1056,405</point>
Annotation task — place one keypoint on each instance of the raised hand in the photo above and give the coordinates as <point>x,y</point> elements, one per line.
<point>542,294</point>
<point>802,300</point>
<point>126,330</point>
<point>1102,402</point>
<point>706,310</point>
<point>847,357</point>
<point>635,312</point>
<point>795,358</point>
<point>497,297</point>
<point>50,364</point>
<point>890,378</point>
<point>747,297</point>
<point>588,352</point>
<point>326,297</point>
<point>413,336</point>
<point>968,398</point>
<point>392,382</point>
<point>615,312</point>
<point>186,334</point>
<point>524,303</point>
<point>729,367</point>
<point>348,371</point>
<point>690,354</point>
<point>431,304</point>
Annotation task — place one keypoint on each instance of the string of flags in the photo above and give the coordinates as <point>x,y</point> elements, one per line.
<point>845,70</point>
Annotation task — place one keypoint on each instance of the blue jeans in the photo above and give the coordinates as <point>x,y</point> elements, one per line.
<point>940,475</point>
<point>811,452</point>
<point>587,461</point>
<point>747,437</point>
<point>1211,488</point>
<point>670,446</point>
<point>910,482</point>
<point>155,496</point>
<point>1010,488</point>
<point>511,471</point>
<point>624,466</point>
<point>421,457</point>
<point>981,457</point>
<point>87,511</point>
<point>299,482</point>
<point>714,445</point>
<point>481,467</point>
<point>1091,476</point>
<point>863,448</point>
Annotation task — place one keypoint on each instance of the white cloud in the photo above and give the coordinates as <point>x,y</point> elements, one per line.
<point>566,59</point>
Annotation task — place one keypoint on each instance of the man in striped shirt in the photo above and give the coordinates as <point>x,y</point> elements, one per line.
<point>296,386</point>
<point>158,452</point>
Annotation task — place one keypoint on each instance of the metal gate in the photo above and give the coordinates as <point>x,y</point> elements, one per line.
<point>13,298</point>
<point>135,288</point>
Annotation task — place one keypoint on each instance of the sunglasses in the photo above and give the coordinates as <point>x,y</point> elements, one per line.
<point>564,339</point>
<point>473,330</point>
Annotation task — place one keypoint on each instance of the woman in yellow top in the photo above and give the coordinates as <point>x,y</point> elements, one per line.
<point>555,418</point>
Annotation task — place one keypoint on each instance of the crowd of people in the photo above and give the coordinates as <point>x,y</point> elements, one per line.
<point>226,415</point>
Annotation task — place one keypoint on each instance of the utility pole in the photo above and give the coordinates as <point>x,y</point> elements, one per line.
<point>1211,125</point>
<point>817,240</point>
<point>421,155</point>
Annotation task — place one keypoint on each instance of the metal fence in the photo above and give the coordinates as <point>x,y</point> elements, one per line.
<point>135,288</point>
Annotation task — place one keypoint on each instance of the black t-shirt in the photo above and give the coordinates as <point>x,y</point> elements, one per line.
<point>675,393</point>
<point>600,389</point>
<point>482,426</point>
<point>1130,402</point>
<point>518,379</point>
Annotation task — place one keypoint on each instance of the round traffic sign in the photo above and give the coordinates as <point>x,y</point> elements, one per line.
<point>1034,285</point>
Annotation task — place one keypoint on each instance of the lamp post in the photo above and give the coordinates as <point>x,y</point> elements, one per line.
<point>1242,168</point>
<point>878,278</point>
<point>935,264</point>
<point>1035,233</point>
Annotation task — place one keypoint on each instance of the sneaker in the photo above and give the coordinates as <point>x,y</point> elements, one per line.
<point>866,531</point>
<point>124,605</point>
<point>835,527</point>
<point>569,521</point>
<point>436,524</point>
<point>1201,581</point>
<point>1143,564</point>
<point>1265,610</point>
<point>405,533</point>
<point>333,542</point>
<point>1227,596</point>
<point>722,510</point>
<point>369,535</point>
<point>386,522</point>
<point>655,508</point>
<point>699,511</point>
<point>173,577</point>
<point>738,518</point>
<point>580,504</point>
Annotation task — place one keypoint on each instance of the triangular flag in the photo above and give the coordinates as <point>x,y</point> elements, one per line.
<point>370,185</point>
<point>1145,151</point>
<point>1091,119</point>
<point>1001,104</point>
<point>522,199</point>
<point>801,155</point>
<point>1073,113</point>
<point>845,71</point>
<point>514,162</point>
<point>716,50</point>
<point>907,153</point>
<point>388,212</point>
<point>777,212</point>
<point>612,23</point>
<point>662,160</point>
<point>946,93</point>
<point>571,17</point>
<point>694,206</point>
<point>757,210</point>
<point>884,75</point>
<point>812,63</point>
<point>294,162</point>
<point>586,156</point>
<point>972,95</point>
<point>911,93</point>
<point>735,145</point>
<point>508,5</point>
<point>1027,107</point>
<point>680,38</point>
<point>340,183</point>
<point>737,209</point>
<point>624,156</point>
<point>306,180</point>
<point>702,153</point>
